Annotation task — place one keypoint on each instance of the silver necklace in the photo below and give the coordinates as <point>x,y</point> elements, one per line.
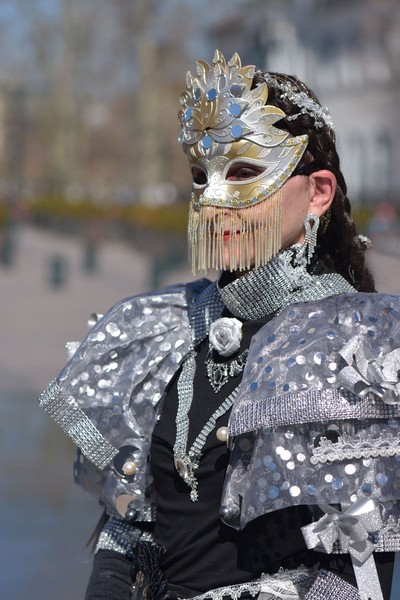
<point>187,460</point>
<point>253,296</point>
<point>218,373</point>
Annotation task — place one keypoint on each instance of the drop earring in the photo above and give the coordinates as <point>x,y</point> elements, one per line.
<point>306,252</point>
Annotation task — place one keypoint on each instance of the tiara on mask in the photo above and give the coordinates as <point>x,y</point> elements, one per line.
<point>220,105</point>
<point>308,105</point>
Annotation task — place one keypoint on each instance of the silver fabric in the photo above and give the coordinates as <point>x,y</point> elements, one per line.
<point>121,537</point>
<point>294,361</point>
<point>278,284</point>
<point>283,585</point>
<point>351,529</point>
<point>117,378</point>
<point>284,409</point>
<point>367,373</point>
<point>329,586</point>
<point>291,410</point>
<point>75,423</point>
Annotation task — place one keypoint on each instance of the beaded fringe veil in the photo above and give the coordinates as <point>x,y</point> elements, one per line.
<point>254,235</point>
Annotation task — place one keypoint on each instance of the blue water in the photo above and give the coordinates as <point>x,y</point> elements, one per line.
<point>45,520</point>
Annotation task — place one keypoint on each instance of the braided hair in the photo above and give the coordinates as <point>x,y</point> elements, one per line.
<point>339,245</point>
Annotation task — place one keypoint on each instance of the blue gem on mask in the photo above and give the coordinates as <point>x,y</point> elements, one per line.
<point>212,94</point>
<point>188,114</point>
<point>235,110</point>
<point>237,131</point>
<point>236,90</point>
<point>206,141</point>
<point>197,94</point>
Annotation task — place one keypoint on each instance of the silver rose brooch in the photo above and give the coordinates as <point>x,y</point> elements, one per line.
<point>225,335</point>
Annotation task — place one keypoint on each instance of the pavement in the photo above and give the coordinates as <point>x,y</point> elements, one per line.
<point>45,519</point>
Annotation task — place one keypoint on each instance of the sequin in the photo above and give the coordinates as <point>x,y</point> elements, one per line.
<point>273,492</point>
<point>113,329</point>
<point>253,386</point>
<point>289,434</point>
<point>300,359</point>
<point>311,490</point>
<point>285,486</point>
<point>328,478</point>
<point>319,358</point>
<point>104,383</point>
<point>165,347</point>
<point>245,444</point>
<point>291,362</point>
<point>381,479</point>
<point>331,335</point>
<point>350,469</point>
<point>301,457</point>
<point>285,455</point>
<point>366,488</point>
<point>268,369</point>
<point>290,465</point>
<point>294,491</point>
<point>337,483</point>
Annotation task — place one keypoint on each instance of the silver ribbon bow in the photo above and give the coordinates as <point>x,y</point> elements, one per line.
<point>369,374</point>
<point>350,529</point>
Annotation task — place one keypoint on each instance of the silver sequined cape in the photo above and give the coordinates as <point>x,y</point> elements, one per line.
<point>316,419</point>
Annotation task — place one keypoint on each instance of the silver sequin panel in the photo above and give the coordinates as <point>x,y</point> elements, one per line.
<point>293,370</point>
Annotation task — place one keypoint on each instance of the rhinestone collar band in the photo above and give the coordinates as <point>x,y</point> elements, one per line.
<point>272,287</point>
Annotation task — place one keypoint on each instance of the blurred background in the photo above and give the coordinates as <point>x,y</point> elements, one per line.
<point>93,201</point>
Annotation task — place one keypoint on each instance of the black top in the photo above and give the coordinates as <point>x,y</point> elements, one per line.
<point>201,551</point>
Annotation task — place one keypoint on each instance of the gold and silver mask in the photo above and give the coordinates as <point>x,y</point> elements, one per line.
<point>228,126</point>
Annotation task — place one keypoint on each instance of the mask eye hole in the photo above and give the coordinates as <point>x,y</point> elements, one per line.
<point>199,176</point>
<point>243,171</point>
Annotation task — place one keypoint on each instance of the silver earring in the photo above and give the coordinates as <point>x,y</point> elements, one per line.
<point>306,252</point>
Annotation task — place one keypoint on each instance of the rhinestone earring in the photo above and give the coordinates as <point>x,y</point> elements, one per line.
<point>306,252</point>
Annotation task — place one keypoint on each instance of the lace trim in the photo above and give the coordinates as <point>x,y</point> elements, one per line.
<point>283,585</point>
<point>362,445</point>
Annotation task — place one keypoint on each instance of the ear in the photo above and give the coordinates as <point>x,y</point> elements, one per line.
<point>323,187</point>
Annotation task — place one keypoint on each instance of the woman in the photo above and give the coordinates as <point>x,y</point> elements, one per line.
<point>276,387</point>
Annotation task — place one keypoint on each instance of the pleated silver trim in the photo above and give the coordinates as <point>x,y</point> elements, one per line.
<point>76,425</point>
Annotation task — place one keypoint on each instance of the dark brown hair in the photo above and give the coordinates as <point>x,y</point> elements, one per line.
<point>338,242</point>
